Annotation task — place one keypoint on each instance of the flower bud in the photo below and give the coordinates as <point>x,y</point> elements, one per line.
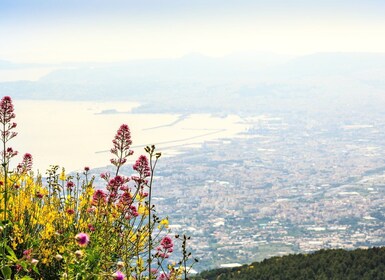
<point>58,257</point>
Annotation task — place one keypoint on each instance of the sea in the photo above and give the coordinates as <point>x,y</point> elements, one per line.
<point>75,134</point>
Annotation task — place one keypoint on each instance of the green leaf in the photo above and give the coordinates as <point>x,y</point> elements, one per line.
<point>11,253</point>
<point>7,272</point>
<point>34,268</point>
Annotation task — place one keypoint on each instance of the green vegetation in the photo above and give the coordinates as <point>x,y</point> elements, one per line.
<point>324,264</point>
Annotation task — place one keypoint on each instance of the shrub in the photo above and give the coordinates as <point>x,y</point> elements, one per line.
<point>65,228</point>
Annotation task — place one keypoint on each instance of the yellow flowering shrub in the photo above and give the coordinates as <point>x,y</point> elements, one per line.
<point>62,227</point>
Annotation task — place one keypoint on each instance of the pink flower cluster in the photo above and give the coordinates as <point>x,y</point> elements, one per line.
<point>99,197</point>
<point>166,248</point>
<point>82,239</point>
<point>121,148</point>
<point>118,275</point>
<point>26,164</point>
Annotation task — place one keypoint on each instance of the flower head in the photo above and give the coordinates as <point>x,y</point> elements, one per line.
<point>82,239</point>
<point>118,275</point>
<point>122,142</point>
<point>6,116</point>
<point>6,110</point>
<point>58,257</point>
<point>26,164</point>
<point>79,254</point>
<point>99,197</point>
<point>142,167</point>
<point>70,185</point>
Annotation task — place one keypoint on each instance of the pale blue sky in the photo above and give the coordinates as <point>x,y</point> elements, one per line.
<point>111,30</point>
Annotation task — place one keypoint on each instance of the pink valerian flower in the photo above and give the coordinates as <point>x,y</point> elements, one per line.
<point>39,195</point>
<point>166,242</point>
<point>26,164</point>
<point>118,275</point>
<point>125,199</point>
<point>131,212</point>
<point>27,254</point>
<point>142,167</point>
<point>82,239</point>
<point>70,185</point>
<point>7,111</point>
<point>116,183</point>
<point>91,227</point>
<point>6,116</point>
<point>8,154</point>
<point>105,176</point>
<point>70,211</point>
<point>121,149</point>
<point>163,276</point>
<point>99,197</point>
<point>166,248</point>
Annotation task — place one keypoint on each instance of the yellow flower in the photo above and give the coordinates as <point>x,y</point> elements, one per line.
<point>142,210</point>
<point>62,176</point>
<point>163,223</point>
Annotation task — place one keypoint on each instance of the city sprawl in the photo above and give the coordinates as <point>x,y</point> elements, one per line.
<point>290,183</point>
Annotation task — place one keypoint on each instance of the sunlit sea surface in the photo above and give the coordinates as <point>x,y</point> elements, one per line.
<point>78,134</point>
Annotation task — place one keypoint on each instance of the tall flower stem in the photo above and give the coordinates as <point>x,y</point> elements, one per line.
<point>6,116</point>
<point>150,151</point>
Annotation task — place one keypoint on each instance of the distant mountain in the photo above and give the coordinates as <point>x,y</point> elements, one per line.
<point>239,82</point>
<point>359,264</point>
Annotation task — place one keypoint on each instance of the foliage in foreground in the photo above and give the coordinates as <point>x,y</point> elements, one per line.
<point>61,227</point>
<point>360,264</point>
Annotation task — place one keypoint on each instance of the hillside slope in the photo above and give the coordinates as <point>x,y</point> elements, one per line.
<point>324,264</point>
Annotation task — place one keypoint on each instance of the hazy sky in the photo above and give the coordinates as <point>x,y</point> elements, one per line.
<point>112,30</point>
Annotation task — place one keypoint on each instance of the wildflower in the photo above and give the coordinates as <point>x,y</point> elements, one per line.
<point>91,227</point>
<point>70,185</point>
<point>118,275</point>
<point>131,213</point>
<point>163,276</point>
<point>125,199</point>
<point>58,257</point>
<point>18,267</point>
<point>122,142</point>
<point>70,211</point>
<point>99,197</point>
<point>6,110</point>
<point>79,254</point>
<point>10,153</point>
<point>167,242</point>
<point>115,183</point>
<point>86,169</point>
<point>26,164</point>
<point>27,254</point>
<point>6,115</point>
<point>82,239</point>
<point>165,248</point>
<point>105,176</point>
<point>142,167</point>
<point>163,223</point>
<point>62,176</point>
<point>120,264</point>
<point>39,195</point>
<point>34,261</point>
